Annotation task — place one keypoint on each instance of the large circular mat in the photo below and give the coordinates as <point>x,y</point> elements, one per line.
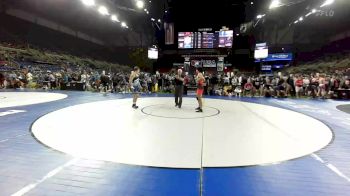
<point>227,134</point>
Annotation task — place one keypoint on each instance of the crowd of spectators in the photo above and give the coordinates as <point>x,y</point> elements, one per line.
<point>31,68</point>
<point>280,85</point>
<point>88,78</point>
<point>34,77</point>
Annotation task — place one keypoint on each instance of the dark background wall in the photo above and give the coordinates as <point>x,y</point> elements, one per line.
<point>15,30</point>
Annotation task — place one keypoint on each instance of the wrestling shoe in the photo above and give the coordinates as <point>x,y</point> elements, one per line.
<point>199,110</point>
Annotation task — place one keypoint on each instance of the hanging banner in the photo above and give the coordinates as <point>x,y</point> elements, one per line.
<point>169,33</point>
<point>196,63</point>
<point>266,67</point>
<point>220,66</point>
<point>187,66</point>
<point>209,63</point>
<point>278,57</point>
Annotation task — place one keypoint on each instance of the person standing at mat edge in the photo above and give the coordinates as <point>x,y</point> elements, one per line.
<point>200,80</point>
<point>134,82</point>
<point>179,88</point>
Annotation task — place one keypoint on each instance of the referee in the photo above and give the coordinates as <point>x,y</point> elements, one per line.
<point>179,88</point>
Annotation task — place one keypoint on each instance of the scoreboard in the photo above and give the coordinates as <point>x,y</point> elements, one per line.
<point>217,39</point>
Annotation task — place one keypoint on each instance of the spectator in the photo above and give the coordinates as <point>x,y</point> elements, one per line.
<point>346,85</point>
<point>299,83</point>
<point>249,88</point>
<point>2,80</point>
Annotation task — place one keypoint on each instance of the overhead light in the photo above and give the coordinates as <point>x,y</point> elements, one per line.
<point>252,3</point>
<point>159,20</point>
<point>166,11</point>
<point>124,24</point>
<point>308,14</point>
<point>312,12</point>
<point>150,1</point>
<point>295,22</point>
<point>275,4</point>
<point>260,16</point>
<point>147,12</point>
<point>237,34</point>
<point>88,2</point>
<point>103,10</point>
<point>301,19</point>
<point>153,19</point>
<point>114,18</point>
<point>140,4</point>
<point>327,2</point>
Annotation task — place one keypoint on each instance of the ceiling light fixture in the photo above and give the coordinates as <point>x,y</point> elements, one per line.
<point>275,4</point>
<point>260,16</point>
<point>88,2</point>
<point>140,4</point>
<point>327,2</point>
<point>103,10</point>
<point>114,18</point>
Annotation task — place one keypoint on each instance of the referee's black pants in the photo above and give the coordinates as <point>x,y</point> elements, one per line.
<point>179,91</point>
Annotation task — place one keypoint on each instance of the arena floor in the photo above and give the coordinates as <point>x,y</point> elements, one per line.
<point>83,143</point>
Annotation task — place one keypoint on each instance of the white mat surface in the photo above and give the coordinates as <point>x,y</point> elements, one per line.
<point>241,134</point>
<point>13,99</point>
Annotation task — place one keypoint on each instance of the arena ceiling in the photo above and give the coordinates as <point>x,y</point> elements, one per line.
<point>75,15</point>
<point>202,14</point>
<point>188,15</point>
<point>335,15</point>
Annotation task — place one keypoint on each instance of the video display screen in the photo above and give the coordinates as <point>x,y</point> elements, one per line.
<point>261,51</point>
<point>153,53</point>
<point>208,40</point>
<point>225,39</point>
<point>218,39</point>
<point>197,40</point>
<point>185,39</point>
